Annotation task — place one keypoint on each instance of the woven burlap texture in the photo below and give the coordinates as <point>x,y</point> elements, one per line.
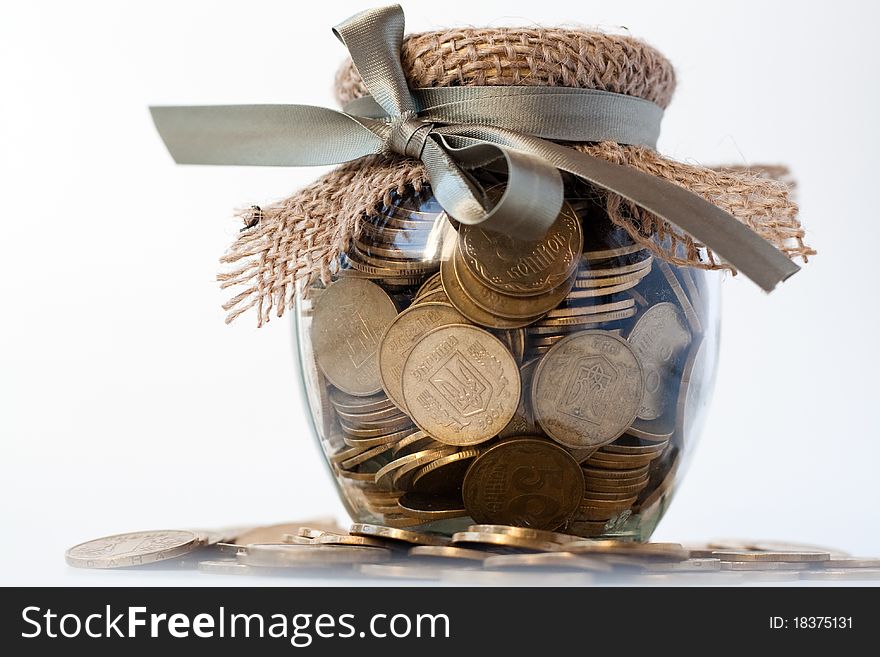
<point>300,238</point>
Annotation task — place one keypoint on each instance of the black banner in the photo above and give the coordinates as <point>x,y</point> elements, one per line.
<point>429,621</point>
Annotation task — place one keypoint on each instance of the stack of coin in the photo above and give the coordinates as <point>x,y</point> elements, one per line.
<point>503,551</point>
<point>444,392</point>
<point>399,245</point>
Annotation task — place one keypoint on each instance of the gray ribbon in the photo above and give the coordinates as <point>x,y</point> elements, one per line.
<point>456,130</point>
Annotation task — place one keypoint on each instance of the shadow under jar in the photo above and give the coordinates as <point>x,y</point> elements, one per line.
<point>455,375</point>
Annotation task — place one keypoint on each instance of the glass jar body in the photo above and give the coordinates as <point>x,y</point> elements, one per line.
<point>454,375</point>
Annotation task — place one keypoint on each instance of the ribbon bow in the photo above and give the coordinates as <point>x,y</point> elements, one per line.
<point>455,130</point>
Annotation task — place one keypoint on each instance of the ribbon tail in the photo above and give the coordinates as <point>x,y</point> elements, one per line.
<point>708,224</point>
<point>266,135</point>
<point>532,197</point>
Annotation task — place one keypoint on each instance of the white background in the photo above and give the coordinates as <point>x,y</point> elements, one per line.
<point>126,402</point>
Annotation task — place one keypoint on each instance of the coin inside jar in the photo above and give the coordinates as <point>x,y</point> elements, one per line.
<point>524,268</point>
<point>349,319</point>
<point>402,335</point>
<point>524,482</point>
<point>461,384</point>
<point>587,389</point>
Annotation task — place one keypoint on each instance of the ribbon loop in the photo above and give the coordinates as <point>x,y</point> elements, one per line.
<point>455,130</point>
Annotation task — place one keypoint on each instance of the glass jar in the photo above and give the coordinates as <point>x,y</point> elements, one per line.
<point>457,376</point>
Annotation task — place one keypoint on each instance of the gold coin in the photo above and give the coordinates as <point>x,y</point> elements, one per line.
<point>503,540</point>
<point>576,323</point>
<point>525,532</point>
<point>640,266</point>
<point>355,260</point>
<point>350,317</point>
<point>385,476</point>
<point>523,268</point>
<point>647,551</point>
<point>615,486</point>
<point>775,555</point>
<point>402,335</point>
<point>431,284</point>
<point>591,308</point>
<point>617,252</point>
<point>618,448</point>
<point>399,571</point>
<point>345,539</point>
<point>658,338</point>
<point>582,291</point>
<point>431,507</point>
<point>403,424</point>
<point>446,474</point>
<point>548,560</point>
<point>649,431</point>
<point>461,384</point>
<point>351,404</point>
<point>523,420</point>
<point>525,482</point>
<point>635,473</point>
<point>394,534</point>
<point>464,304</point>
<point>363,457</point>
<point>438,296</point>
<point>587,389</point>
<point>508,306</point>
<point>310,556</point>
<point>132,549</point>
<point>764,565</point>
<point>448,553</point>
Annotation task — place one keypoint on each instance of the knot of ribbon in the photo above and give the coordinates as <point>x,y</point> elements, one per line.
<point>456,130</point>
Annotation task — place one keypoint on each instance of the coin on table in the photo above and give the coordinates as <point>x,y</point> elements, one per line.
<point>779,556</point>
<point>310,556</point>
<point>588,389</point>
<point>524,268</point>
<point>526,482</point>
<point>448,553</point>
<point>395,534</point>
<point>526,532</point>
<point>658,338</point>
<point>225,567</point>
<point>546,560</point>
<point>461,384</point>
<point>133,549</point>
<point>350,317</point>
<point>503,540</point>
<point>275,533</point>
<point>647,551</point>
<point>402,335</point>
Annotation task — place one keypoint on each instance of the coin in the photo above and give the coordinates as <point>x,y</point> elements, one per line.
<point>310,556</point>
<point>430,507</point>
<point>525,482</point>
<point>132,549</point>
<point>386,475</point>
<point>523,268</point>
<point>394,534</point>
<point>588,388</point>
<point>407,329</point>
<point>350,317</point>
<point>461,385</point>
<point>658,338</point>
<point>351,404</point>
<point>448,553</point>
<point>399,571</point>
<point>509,306</point>
<point>851,562</point>
<point>754,555</point>
<point>225,567</point>
<point>275,533</point>
<point>444,475</point>
<point>523,420</point>
<point>344,539</point>
<point>525,532</point>
<point>547,560</point>
<point>503,540</point>
<point>763,565</point>
<point>660,551</point>
<point>466,306</point>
